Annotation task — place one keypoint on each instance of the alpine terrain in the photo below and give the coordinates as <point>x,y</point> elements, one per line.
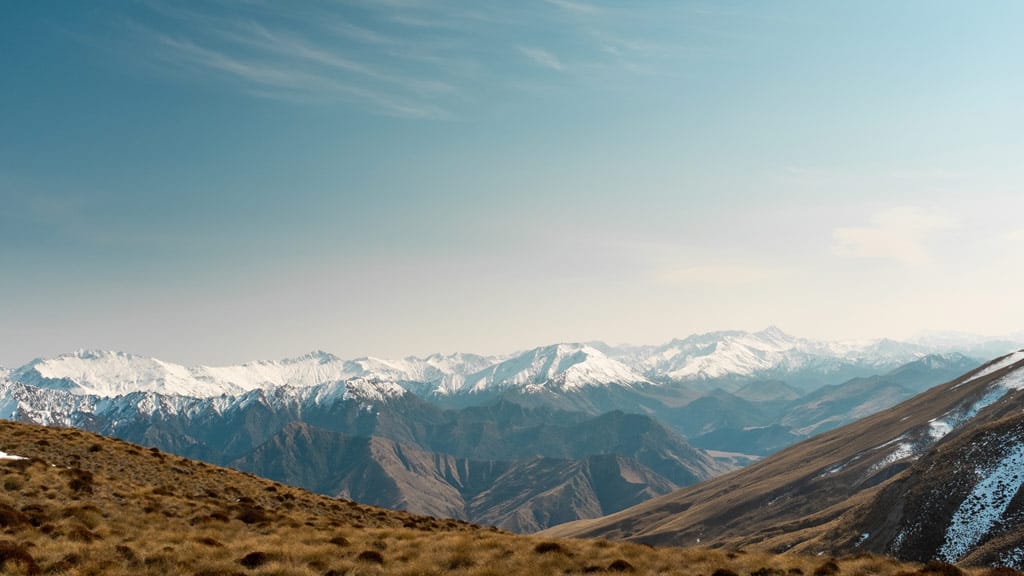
<point>522,441</point>
<point>937,477</point>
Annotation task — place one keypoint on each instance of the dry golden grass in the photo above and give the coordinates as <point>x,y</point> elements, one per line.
<point>84,504</point>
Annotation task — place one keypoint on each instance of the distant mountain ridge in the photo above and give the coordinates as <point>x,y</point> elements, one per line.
<point>730,359</point>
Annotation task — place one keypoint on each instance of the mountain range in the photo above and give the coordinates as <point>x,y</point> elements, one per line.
<point>726,359</point>
<point>523,441</point>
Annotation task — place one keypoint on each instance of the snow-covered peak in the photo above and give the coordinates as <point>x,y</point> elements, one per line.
<point>104,373</point>
<point>371,390</point>
<point>316,356</point>
<point>437,373</point>
<point>561,366</point>
<point>769,353</point>
<point>775,334</point>
<point>746,354</point>
<point>108,374</point>
<point>357,389</point>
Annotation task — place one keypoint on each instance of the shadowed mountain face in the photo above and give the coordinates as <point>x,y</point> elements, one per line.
<point>938,476</point>
<point>547,473</point>
<point>522,495</point>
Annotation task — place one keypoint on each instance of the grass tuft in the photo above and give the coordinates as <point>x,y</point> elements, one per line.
<point>13,553</point>
<point>370,556</point>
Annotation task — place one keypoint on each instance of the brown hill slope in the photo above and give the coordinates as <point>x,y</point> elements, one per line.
<point>799,498</point>
<point>960,502</point>
<point>85,504</point>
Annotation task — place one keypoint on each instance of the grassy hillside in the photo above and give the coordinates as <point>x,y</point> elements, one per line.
<point>85,504</point>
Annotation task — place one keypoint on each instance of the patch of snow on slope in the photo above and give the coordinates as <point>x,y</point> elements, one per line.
<point>996,366</point>
<point>984,506</point>
<point>902,450</point>
<point>6,456</point>
<point>939,427</point>
<point>1013,558</point>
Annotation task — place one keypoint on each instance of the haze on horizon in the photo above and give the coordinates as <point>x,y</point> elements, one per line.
<point>221,182</point>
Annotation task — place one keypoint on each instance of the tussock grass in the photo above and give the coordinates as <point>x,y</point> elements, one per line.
<point>84,504</point>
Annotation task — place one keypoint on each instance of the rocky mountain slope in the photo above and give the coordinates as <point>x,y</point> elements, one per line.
<point>938,476</point>
<point>524,494</point>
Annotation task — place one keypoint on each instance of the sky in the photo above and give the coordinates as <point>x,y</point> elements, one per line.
<point>218,182</point>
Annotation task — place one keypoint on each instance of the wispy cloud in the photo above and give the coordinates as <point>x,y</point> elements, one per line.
<point>294,47</point>
<point>574,7</point>
<point>542,58</point>
<point>412,58</point>
<point>278,82</point>
<point>898,234</point>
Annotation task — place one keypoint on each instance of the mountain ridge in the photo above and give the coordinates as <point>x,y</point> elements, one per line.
<point>860,486</point>
<point>725,355</point>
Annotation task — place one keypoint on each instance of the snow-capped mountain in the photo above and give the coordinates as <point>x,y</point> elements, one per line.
<point>770,353</point>
<point>49,406</point>
<point>561,367</point>
<point>108,374</point>
<point>589,377</point>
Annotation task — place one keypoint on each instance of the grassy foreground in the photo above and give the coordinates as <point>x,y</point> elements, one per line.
<point>85,504</point>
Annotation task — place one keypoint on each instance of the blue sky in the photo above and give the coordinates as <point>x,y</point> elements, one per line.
<point>223,181</point>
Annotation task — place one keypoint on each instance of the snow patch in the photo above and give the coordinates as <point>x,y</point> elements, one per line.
<point>1013,558</point>
<point>937,429</point>
<point>995,367</point>
<point>940,427</point>
<point>984,506</point>
<point>6,456</point>
<point>902,450</point>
